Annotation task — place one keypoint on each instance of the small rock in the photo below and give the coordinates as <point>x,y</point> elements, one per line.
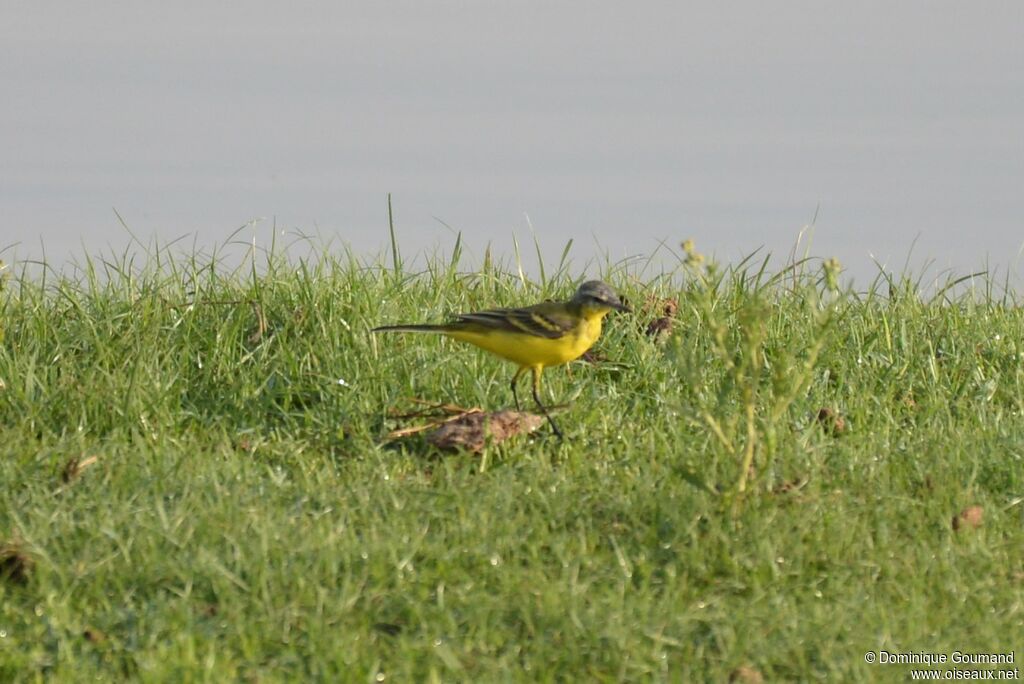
<point>660,328</point>
<point>745,674</point>
<point>831,421</point>
<point>968,519</point>
<point>15,565</point>
<point>94,635</point>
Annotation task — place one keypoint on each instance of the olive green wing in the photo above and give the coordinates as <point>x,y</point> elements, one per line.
<point>550,320</point>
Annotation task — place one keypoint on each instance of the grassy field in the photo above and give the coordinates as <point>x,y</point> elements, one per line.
<point>195,483</point>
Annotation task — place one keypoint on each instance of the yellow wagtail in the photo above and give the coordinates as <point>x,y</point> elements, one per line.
<point>545,334</point>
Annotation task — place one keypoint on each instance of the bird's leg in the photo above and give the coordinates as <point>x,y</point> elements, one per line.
<point>536,397</point>
<point>515,381</point>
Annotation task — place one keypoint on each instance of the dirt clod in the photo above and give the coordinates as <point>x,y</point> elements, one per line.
<point>94,636</point>
<point>745,674</point>
<point>831,421</point>
<point>74,467</point>
<point>661,326</point>
<point>472,430</point>
<point>15,565</point>
<point>389,628</point>
<point>968,519</point>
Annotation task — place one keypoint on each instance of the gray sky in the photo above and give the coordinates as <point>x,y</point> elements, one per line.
<point>615,124</point>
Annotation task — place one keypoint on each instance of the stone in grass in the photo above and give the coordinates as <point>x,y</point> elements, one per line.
<point>473,430</point>
<point>74,467</point>
<point>94,636</point>
<point>660,328</point>
<point>968,519</point>
<point>831,422</point>
<point>15,565</point>
<point>745,674</point>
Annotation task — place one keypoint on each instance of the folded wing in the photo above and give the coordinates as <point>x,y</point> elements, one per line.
<point>545,320</point>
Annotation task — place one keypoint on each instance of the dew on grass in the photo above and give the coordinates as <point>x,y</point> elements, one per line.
<point>495,560</point>
<point>343,382</point>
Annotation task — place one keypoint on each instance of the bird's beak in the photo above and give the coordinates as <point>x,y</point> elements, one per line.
<point>619,306</point>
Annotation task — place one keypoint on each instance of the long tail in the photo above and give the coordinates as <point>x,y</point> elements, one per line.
<point>412,328</point>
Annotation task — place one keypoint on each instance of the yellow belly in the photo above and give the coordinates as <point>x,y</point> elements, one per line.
<point>529,350</point>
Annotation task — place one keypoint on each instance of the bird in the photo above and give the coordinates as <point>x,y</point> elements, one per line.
<point>532,337</point>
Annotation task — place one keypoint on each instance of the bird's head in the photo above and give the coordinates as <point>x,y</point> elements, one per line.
<point>596,297</point>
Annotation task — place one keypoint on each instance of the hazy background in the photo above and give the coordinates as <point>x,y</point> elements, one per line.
<point>615,124</point>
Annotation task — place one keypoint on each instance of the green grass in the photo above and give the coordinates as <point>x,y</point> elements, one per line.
<point>244,519</point>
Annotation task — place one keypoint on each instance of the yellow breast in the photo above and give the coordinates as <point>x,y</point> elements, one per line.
<point>530,350</point>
